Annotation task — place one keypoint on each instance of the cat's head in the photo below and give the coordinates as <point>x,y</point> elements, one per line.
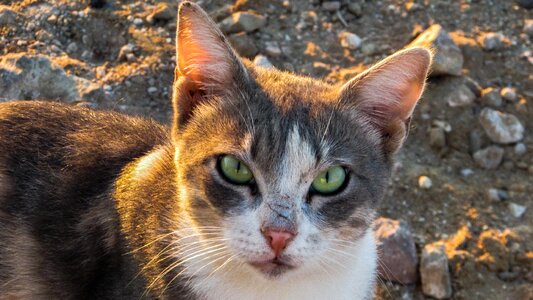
<point>278,171</point>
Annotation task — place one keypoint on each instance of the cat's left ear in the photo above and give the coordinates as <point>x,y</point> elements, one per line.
<point>387,93</point>
<point>207,67</point>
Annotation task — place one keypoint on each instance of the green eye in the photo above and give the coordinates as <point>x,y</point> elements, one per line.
<point>234,170</point>
<point>330,180</point>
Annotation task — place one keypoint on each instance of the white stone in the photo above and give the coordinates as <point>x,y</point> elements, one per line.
<point>509,94</point>
<point>72,47</point>
<point>467,172</point>
<point>517,210</point>
<point>461,96</point>
<point>492,41</point>
<point>272,49</point>
<point>262,61</point>
<point>501,127</point>
<point>520,149</point>
<point>350,40</point>
<point>424,182</point>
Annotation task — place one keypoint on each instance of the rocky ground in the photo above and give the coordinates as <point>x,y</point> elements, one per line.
<point>457,217</point>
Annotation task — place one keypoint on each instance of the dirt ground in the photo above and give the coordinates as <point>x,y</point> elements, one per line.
<point>490,249</point>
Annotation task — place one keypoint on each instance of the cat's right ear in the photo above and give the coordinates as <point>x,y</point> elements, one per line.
<point>207,67</point>
<point>386,94</point>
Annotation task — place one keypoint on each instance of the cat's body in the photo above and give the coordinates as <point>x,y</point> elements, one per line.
<point>60,234</point>
<point>265,188</point>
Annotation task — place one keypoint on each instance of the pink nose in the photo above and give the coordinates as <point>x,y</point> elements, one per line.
<point>278,240</point>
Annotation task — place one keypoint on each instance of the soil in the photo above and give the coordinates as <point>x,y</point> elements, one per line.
<point>490,250</point>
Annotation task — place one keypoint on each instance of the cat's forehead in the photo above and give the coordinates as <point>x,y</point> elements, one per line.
<point>263,118</point>
<point>288,90</point>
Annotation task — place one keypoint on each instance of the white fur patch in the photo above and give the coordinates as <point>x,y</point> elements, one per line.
<point>298,159</point>
<point>352,278</point>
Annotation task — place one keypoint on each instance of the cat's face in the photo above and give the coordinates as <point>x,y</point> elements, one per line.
<point>286,131</point>
<point>279,172</point>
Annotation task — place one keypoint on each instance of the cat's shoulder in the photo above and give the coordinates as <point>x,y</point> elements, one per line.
<point>75,143</point>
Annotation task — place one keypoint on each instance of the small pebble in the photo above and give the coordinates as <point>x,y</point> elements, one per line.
<point>52,19</point>
<point>262,61</point>
<point>272,49</point>
<point>137,21</point>
<point>350,40</point>
<point>86,54</point>
<point>492,41</point>
<point>502,128</point>
<point>369,48</point>
<point>130,57</point>
<point>509,94</point>
<point>489,158</point>
<point>152,90</point>
<point>124,51</point>
<point>520,149</point>
<point>72,47</point>
<point>424,182</point>
<point>517,210</point>
<point>467,172</point>
<point>461,96</point>
<point>491,97</point>
<point>497,195</point>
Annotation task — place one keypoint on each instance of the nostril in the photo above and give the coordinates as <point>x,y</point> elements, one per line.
<point>278,240</point>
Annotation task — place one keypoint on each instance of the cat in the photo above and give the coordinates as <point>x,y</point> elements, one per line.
<point>264,187</point>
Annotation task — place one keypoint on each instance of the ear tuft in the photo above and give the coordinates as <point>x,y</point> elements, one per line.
<point>388,92</point>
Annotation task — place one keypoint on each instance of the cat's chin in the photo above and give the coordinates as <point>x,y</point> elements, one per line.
<point>273,268</point>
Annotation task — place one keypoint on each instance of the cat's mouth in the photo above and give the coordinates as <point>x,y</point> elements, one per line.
<point>273,267</point>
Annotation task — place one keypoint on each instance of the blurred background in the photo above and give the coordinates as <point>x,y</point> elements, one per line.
<point>457,220</point>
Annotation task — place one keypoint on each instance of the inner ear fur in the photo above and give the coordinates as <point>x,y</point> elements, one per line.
<point>387,93</point>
